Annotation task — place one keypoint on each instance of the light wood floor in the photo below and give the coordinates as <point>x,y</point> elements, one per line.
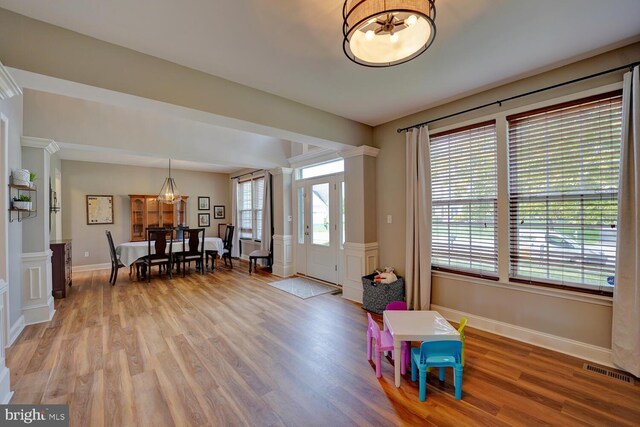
<point>226,349</point>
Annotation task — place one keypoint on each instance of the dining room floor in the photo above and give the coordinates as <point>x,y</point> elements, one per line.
<point>225,348</point>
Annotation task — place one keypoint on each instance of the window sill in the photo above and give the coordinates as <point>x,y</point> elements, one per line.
<point>522,287</point>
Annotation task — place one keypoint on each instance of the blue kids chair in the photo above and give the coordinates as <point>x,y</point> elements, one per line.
<point>437,354</point>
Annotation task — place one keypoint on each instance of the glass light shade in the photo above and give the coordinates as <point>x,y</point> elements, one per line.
<point>169,192</point>
<point>403,29</point>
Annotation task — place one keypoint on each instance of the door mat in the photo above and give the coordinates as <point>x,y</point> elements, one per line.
<point>303,287</point>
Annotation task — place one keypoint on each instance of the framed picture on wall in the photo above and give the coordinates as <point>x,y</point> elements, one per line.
<point>218,212</point>
<point>99,210</point>
<point>204,220</point>
<point>203,203</point>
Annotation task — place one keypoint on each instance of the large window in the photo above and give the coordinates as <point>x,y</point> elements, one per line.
<point>464,186</point>
<point>564,163</point>
<point>250,198</point>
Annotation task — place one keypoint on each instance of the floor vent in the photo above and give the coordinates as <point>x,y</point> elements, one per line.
<point>609,373</point>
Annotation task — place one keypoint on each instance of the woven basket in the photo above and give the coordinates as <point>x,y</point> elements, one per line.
<point>376,296</point>
<point>20,177</point>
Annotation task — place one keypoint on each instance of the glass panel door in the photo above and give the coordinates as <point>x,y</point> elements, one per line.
<point>321,219</point>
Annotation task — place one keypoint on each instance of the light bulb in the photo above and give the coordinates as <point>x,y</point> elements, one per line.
<point>369,35</point>
<point>411,20</point>
<point>394,38</point>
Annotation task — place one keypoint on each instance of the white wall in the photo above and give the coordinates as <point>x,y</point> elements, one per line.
<point>80,179</point>
<point>12,109</point>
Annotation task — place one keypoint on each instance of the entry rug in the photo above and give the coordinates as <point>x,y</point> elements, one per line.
<point>304,288</point>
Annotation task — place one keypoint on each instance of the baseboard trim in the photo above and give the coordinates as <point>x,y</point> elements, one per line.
<point>567,346</point>
<point>5,386</point>
<point>92,267</point>
<point>16,330</point>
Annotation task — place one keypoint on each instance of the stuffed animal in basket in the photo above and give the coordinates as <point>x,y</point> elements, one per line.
<point>386,277</point>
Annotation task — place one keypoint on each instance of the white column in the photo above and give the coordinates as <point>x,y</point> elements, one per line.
<point>282,223</point>
<point>361,246</point>
<point>37,298</point>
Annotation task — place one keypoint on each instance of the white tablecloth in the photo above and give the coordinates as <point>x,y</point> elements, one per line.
<point>131,251</point>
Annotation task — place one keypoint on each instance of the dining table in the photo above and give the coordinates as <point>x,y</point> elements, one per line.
<point>130,252</point>
<point>416,325</point>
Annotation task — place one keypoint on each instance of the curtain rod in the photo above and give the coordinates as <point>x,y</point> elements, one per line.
<point>511,98</point>
<point>248,173</point>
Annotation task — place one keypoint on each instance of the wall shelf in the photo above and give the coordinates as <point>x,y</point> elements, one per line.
<point>22,214</point>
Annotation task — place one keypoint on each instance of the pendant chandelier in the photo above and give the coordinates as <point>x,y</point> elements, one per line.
<point>383,33</point>
<point>169,192</point>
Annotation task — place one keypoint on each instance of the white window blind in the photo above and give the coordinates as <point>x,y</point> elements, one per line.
<point>564,165</point>
<point>258,197</point>
<point>464,186</point>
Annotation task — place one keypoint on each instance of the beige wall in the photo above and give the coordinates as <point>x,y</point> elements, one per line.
<point>579,320</point>
<point>53,51</point>
<point>82,178</point>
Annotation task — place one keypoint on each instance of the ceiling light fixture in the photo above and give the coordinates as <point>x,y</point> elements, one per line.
<point>383,33</point>
<point>169,192</point>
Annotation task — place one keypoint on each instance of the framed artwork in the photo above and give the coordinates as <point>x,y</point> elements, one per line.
<point>203,203</point>
<point>99,210</point>
<point>204,220</point>
<point>218,212</point>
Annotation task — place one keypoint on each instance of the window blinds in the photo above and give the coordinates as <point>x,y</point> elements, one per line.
<point>464,200</point>
<point>564,164</point>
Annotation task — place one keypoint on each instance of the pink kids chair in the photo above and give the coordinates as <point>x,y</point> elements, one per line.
<point>383,342</point>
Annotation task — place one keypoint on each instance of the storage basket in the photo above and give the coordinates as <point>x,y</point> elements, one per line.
<point>376,296</point>
<point>20,177</point>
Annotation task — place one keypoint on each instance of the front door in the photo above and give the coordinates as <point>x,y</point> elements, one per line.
<point>319,227</point>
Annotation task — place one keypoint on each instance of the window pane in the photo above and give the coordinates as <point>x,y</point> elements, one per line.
<point>301,215</point>
<point>322,169</point>
<point>320,231</point>
<point>564,165</point>
<point>464,186</point>
<point>342,213</point>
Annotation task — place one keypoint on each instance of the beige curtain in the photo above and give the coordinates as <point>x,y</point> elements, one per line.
<point>626,295</point>
<point>418,232</point>
<point>235,246</point>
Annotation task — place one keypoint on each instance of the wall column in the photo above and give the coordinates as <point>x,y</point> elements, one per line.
<point>37,298</point>
<point>361,239</point>
<point>282,222</point>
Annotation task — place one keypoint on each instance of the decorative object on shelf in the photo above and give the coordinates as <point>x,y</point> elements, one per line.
<point>53,201</point>
<point>204,220</point>
<point>32,179</point>
<point>203,203</point>
<point>169,193</point>
<point>218,212</point>
<point>386,33</point>
<point>22,202</point>
<point>20,177</point>
<point>99,210</point>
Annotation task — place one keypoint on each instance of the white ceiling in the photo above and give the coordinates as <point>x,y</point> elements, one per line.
<point>293,48</point>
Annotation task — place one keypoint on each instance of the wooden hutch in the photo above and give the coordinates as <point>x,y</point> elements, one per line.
<point>148,212</point>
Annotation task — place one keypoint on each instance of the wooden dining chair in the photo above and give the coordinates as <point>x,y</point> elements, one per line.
<point>116,264</point>
<point>254,256</point>
<point>192,249</point>
<point>228,244</point>
<point>161,257</point>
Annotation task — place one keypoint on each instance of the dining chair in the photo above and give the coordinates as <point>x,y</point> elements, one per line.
<point>116,264</point>
<point>192,249</point>
<point>437,354</point>
<point>254,256</point>
<point>161,257</point>
<point>383,342</point>
<point>228,244</point>
<point>463,323</point>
